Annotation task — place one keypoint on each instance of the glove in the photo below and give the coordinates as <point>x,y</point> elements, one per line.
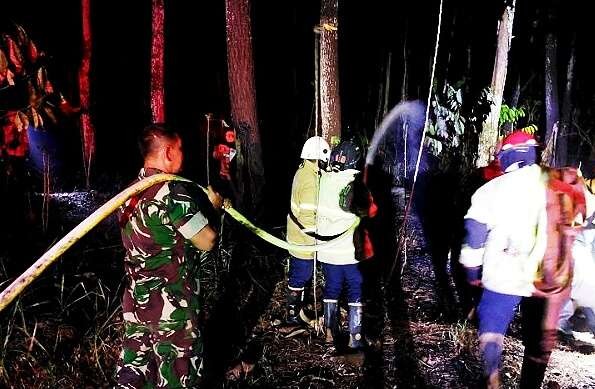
<point>473,275</point>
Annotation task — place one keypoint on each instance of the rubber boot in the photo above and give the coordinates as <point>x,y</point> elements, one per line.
<point>294,305</point>
<point>331,322</point>
<point>532,373</point>
<point>356,339</point>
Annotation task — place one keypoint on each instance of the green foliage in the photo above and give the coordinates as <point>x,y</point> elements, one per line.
<point>455,123</point>
<point>510,114</point>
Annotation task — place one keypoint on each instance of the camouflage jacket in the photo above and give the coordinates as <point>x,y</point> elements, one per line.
<point>162,280</point>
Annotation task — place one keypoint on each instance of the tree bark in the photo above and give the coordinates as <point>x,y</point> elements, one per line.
<point>330,104</point>
<point>489,135</point>
<point>405,79</point>
<point>514,102</point>
<point>552,110</point>
<point>562,149</point>
<point>87,129</point>
<point>242,94</point>
<point>157,62</point>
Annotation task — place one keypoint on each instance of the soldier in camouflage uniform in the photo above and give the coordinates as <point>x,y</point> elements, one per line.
<point>161,229</point>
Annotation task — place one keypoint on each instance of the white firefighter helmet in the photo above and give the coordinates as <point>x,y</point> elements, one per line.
<point>316,148</point>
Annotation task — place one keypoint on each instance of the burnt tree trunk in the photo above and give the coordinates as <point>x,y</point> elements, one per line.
<point>552,110</point>
<point>562,144</point>
<point>86,125</point>
<point>242,94</point>
<point>489,135</point>
<point>157,62</point>
<point>330,104</point>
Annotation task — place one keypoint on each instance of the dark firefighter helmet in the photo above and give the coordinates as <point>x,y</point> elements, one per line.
<point>347,155</point>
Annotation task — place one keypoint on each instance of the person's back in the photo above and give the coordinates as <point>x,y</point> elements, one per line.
<point>159,258</point>
<point>333,218</point>
<point>162,344</point>
<point>512,207</point>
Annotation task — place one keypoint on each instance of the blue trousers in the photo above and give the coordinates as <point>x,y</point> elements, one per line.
<point>337,276</point>
<point>300,272</point>
<point>539,322</point>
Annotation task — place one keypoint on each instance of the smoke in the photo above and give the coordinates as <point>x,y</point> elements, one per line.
<point>411,112</point>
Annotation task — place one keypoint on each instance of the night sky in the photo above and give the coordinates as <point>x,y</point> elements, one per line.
<point>196,70</point>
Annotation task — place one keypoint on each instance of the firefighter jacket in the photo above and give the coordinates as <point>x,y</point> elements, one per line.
<point>304,203</point>
<point>334,216</point>
<point>507,231</point>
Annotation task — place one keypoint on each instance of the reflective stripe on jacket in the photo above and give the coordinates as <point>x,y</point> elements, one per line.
<point>304,203</point>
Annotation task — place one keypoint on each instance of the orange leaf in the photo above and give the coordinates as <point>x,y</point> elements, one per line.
<point>14,54</point>
<point>21,35</point>
<point>10,77</point>
<point>41,77</point>
<point>49,88</point>
<point>3,66</point>
<point>16,120</point>
<point>35,117</point>
<point>33,54</point>
<point>24,121</point>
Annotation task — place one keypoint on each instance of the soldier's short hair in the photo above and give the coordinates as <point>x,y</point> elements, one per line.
<point>148,140</point>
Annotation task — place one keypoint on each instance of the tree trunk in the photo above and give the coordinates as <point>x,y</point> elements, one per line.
<point>514,102</point>
<point>87,129</point>
<point>330,104</point>
<point>552,110</point>
<point>405,80</point>
<point>562,149</point>
<point>489,135</point>
<point>242,94</point>
<point>387,83</point>
<point>157,62</point>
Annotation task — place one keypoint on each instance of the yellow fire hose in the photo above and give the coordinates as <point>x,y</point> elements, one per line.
<point>17,286</point>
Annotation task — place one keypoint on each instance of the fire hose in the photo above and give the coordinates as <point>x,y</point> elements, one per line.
<point>50,256</point>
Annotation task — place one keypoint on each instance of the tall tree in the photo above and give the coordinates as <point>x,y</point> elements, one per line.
<point>242,94</point>
<point>157,62</point>
<point>552,109</point>
<point>330,103</point>
<point>87,129</point>
<point>489,135</point>
<point>562,144</point>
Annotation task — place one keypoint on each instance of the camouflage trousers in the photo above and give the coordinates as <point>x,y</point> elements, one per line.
<point>166,355</point>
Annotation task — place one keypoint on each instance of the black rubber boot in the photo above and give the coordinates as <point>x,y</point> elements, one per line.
<point>331,322</point>
<point>356,339</point>
<point>294,305</point>
<point>532,373</point>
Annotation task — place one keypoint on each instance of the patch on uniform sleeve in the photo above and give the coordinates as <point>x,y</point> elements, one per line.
<point>193,226</point>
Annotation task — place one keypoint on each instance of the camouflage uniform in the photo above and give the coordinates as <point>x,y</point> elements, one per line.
<point>162,344</point>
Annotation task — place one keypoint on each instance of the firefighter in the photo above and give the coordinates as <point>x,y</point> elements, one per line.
<point>516,230</point>
<point>301,221</point>
<point>338,209</point>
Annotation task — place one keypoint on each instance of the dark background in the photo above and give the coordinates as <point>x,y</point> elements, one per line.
<point>196,69</point>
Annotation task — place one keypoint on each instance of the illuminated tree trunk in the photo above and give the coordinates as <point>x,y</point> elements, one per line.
<point>562,151</point>
<point>489,135</point>
<point>552,110</point>
<point>330,103</point>
<point>157,62</point>
<point>87,129</point>
<point>242,94</point>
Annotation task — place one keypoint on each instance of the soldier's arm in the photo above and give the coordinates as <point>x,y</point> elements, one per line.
<point>204,239</point>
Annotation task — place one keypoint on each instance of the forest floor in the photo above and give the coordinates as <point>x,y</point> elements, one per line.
<point>64,332</point>
<point>417,343</point>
